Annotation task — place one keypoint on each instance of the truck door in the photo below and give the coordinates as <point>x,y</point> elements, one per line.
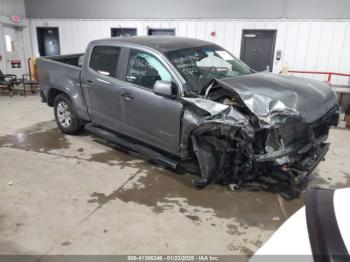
<point>101,86</point>
<point>149,117</point>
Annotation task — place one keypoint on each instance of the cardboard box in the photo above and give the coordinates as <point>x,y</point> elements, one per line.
<point>347,120</point>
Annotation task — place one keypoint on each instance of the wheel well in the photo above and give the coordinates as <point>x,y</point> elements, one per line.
<point>53,92</point>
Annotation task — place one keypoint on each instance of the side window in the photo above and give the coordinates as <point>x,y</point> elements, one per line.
<point>104,60</point>
<point>144,69</point>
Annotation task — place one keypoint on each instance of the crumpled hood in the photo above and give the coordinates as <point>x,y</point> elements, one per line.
<point>265,93</point>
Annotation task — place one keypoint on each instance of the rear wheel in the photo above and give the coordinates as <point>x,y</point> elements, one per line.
<point>65,115</point>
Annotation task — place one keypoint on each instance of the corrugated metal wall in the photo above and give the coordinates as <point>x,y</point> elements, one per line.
<point>317,45</point>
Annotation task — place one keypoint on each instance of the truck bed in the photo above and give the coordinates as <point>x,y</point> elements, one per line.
<point>67,59</point>
<point>62,73</point>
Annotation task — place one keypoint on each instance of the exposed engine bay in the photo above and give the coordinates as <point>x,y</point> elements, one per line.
<point>245,136</point>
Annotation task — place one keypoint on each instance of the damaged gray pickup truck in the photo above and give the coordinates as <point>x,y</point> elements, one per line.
<point>179,99</point>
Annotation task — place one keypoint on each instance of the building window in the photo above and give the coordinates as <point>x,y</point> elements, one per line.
<point>121,31</point>
<point>161,31</point>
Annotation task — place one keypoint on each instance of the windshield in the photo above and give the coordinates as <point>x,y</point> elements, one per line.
<point>199,65</point>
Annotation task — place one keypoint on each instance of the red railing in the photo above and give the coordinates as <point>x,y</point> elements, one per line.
<point>329,74</point>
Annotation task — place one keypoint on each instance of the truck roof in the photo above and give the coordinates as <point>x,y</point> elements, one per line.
<point>160,43</point>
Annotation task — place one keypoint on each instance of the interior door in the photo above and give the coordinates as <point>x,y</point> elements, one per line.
<point>102,88</point>
<point>150,118</point>
<point>258,49</point>
<point>14,52</point>
<point>48,41</point>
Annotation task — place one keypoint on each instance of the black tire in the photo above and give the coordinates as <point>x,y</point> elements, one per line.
<point>70,124</point>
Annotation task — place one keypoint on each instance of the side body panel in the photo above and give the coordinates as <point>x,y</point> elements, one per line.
<point>102,94</point>
<point>152,119</point>
<point>149,117</point>
<point>65,78</point>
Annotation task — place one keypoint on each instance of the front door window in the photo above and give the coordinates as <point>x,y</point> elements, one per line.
<point>144,69</point>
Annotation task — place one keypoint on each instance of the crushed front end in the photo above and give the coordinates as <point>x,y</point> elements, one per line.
<point>274,149</point>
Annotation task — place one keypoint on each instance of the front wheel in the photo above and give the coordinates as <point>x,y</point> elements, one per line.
<point>65,115</point>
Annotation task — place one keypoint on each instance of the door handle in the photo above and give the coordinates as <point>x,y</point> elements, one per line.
<point>90,82</point>
<point>127,96</point>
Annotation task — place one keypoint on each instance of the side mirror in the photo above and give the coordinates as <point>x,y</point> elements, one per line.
<point>164,88</point>
<point>81,60</point>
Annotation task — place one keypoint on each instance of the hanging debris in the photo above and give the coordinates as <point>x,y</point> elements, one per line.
<point>251,132</point>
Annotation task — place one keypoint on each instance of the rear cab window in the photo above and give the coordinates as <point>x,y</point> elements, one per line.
<point>104,60</point>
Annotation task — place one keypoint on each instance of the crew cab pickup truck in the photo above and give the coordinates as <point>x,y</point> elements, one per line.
<point>178,99</point>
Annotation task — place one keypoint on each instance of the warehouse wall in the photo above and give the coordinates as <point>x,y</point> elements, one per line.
<point>154,9</point>
<point>9,8</point>
<point>203,9</point>
<point>325,9</point>
<point>12,7</point>
<point>320,45</point>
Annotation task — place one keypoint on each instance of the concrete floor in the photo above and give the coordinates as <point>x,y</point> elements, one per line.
<point>75,195</point>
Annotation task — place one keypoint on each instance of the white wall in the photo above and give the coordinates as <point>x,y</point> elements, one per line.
<point>317,45</point>
<point>12,7</point>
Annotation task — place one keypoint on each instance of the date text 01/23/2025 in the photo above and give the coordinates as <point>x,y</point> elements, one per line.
<point>173,258</point>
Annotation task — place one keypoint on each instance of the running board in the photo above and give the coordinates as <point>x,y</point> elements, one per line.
<point>133,146</point>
